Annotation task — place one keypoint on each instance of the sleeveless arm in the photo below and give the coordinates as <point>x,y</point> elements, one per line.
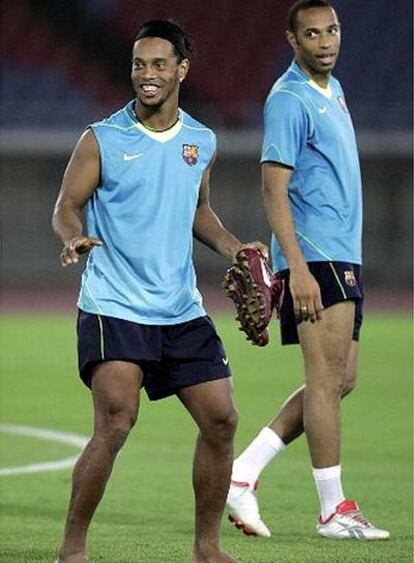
<point>80,180</point>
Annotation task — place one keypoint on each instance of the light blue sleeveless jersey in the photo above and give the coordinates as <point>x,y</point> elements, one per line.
<point>143,211</point>
<point>310,130</point>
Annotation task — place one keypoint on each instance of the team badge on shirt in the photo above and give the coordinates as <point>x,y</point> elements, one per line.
<point>350,278</point>
<point>190,154</point>
<point>342,103</point>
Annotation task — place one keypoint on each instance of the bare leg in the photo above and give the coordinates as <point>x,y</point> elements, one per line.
<point>211,405</point>
<point>115,391</point>
<point>325,347</point>
<point>288,423</point>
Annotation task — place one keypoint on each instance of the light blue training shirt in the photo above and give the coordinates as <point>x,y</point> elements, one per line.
<point>143,211</point>
<point>309,129</point>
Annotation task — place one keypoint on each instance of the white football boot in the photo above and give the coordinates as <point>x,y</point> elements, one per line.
<point>347,522</point>
<point>244,510</point>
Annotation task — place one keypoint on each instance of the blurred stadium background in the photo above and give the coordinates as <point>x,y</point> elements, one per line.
<point>66,63</point>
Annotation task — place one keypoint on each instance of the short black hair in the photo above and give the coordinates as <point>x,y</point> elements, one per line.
<point>304,5</point>
<point>172,32</point>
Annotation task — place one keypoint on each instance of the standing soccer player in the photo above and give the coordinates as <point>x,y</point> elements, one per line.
<point>312,194</point>
<point>143,174</point>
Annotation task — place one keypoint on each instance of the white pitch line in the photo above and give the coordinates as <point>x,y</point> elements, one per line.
<point>43,434</point>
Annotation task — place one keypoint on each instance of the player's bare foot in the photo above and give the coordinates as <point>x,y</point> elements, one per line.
<point>217,557</point>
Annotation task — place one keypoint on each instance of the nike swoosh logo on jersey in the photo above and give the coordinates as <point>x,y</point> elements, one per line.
<point>322,109</point>
<point>133,156</point>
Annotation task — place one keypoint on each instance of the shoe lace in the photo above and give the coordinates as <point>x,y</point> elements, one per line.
<point>357,516</point>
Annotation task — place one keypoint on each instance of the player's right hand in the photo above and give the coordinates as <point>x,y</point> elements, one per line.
<point>306,295</point>
<point>76,246</point>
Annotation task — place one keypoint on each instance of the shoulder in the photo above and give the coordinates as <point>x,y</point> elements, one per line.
<point>289,90</point>
<point>290,81</point>
<point>287,97</point>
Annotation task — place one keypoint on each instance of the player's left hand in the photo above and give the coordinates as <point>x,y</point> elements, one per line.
<point>306,295</point>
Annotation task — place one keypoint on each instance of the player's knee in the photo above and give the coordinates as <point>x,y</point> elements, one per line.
<point>349,384</point>
<point>117,434</point>
<point>122,422</point>
<point>328,377</point>
<point>332,389</point>
<point>336,387</point>
<point>232,422</point>
<point>117,424</point>
<point>222,427</point>
<point>225,426</point>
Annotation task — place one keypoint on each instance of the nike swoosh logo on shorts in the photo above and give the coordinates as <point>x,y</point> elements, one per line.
<point>132,156</point>
<point>225,361</point>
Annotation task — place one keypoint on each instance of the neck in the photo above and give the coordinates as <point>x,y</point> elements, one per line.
<point>156,119</point>
<point>321,80</point>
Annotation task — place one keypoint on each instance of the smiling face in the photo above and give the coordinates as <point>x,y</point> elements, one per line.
<point>156,72</point>
<point>316,41</point>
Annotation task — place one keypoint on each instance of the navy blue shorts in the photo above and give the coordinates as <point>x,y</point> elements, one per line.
<point>171,356</point>
<point>338,281</point>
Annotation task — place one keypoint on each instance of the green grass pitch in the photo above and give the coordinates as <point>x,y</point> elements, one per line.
<point>147,513</point>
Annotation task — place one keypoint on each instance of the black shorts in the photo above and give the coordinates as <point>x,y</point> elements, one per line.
<point>171,356</point>
<point>338,281</point>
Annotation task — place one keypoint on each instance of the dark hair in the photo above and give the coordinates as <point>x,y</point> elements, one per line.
<point>172,32</point>
<point>304,5</point>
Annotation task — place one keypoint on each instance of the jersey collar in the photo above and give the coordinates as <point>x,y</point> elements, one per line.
<point>160,136</point>
<point>326,92</point>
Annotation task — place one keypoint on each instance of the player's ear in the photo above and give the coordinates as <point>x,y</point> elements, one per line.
<point>291,38</point>
<point>183,69</point>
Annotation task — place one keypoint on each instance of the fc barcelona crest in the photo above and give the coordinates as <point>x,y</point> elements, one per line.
<point>190,154</point>
<point>350,278</point>
<point>342,103</point>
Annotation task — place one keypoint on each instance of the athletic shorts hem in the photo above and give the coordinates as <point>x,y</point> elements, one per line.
<point>85,371</point>
<point>156,396</point>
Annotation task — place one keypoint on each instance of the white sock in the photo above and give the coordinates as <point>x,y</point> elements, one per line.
<point>329,486</point>
<point>248,466</point>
